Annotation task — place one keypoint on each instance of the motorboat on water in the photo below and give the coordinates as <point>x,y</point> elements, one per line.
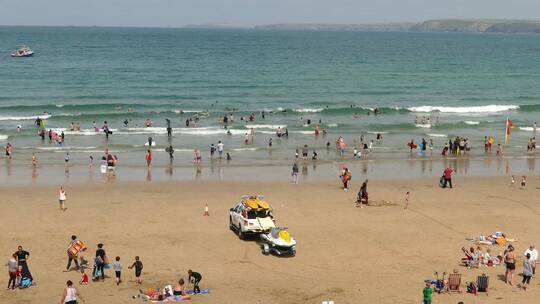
<point>23,52</point>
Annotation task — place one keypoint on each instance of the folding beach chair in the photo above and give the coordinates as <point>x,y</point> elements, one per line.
<point>454,282</point>
<point>483,283</point>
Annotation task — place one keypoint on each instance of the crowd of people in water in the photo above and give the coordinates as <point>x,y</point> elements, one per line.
<point>360,149</point>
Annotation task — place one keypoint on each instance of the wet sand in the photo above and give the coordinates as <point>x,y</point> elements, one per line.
<point>379,254</point>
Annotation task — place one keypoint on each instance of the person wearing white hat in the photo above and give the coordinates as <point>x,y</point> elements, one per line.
<point>534,256</point>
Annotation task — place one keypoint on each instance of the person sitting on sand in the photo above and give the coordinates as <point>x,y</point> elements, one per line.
<point>70,294</point>
<point>84,278</point>
<point>362,197</point>
<point>180,291</point>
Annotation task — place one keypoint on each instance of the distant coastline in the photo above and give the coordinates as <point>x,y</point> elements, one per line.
<point>436,25</point>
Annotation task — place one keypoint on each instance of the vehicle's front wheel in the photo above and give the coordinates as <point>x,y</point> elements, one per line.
<point>240,233</point>
<point>231,226</point>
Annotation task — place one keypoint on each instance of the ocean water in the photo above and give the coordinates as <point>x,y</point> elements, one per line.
<point>467,83</point>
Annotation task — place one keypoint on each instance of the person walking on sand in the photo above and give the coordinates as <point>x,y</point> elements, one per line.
<point>72,257</point>
<point>70,295</point>
<point>138,265</point>
<point>62,198</point>
<point>197,277</point>
<point>12,266</point>
<point>407,198</point>
<point>527,271</point>
<point>345,178</point>
<point>534,257</point>
<point>117,270</point>
<point>510,262</point>
<point>523,182</point>
<point>100,260</point>
<point>149,159</point>
<point>294,174</point>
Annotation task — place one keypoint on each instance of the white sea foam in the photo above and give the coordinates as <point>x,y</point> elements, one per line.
<point>422,125</point>
<point>526,128</point>
<point>308,110</point>
<point>469,122</point>
<point>436,135</point>
<point>186,111</point>
<point>244,149</point>
<point>59,105</point>
<point>465,110</point>
<point>377,132</point>
<point>42,116</point>
<point>3,137</point>
<point>273,127</point>
<point>332,125</point>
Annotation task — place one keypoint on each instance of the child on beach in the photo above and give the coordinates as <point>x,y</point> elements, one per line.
<point>138,265</point>
<point>295,173</point>
<point>84,278</point>
<point>512,181</point>
<point>345,178</point>
<point>90,162</point>
<point>62,198</point>
<point>427,291</point>
<point>149,159</point>
<point>523,182</point>
<point>34,160</point>
<point>118,270</point>
<point>18,275</point>
<point>406,200</point>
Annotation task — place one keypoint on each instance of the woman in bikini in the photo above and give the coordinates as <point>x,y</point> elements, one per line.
<point>510,261</point>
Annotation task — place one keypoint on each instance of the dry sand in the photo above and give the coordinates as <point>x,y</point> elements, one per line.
<point>346,254</point>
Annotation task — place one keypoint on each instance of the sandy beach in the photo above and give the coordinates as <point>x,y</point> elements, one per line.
<point>378,254</point>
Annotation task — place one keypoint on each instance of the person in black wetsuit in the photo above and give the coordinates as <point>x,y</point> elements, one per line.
<point>100,263</point>
<point>169,129</point>
<point>22,259</point>
<point>197,277</point>
<point>138,265</point>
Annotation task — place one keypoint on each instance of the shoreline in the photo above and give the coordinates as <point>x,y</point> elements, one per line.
<point>16,173</point>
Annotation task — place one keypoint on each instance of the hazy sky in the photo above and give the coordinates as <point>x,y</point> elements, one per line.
<point>182,12</point>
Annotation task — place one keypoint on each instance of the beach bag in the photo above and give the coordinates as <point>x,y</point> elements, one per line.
<point>96,274</point>
<point>26,282</point>
<point>99,261</point>
<point>471,288</point>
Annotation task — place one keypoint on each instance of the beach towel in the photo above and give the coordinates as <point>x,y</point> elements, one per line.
<point>26,282</point>
<point>203,291</point>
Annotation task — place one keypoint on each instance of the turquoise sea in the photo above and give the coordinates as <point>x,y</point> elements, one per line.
<point>467,83</point>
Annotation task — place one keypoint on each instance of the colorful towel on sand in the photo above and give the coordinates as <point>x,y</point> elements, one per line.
<point>203,291</point>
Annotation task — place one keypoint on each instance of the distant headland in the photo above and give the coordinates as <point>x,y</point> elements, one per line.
<point>436,25</point>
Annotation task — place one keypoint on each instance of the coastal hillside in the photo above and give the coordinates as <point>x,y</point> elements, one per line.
<point>478,26</point>
<point>437,25</point>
